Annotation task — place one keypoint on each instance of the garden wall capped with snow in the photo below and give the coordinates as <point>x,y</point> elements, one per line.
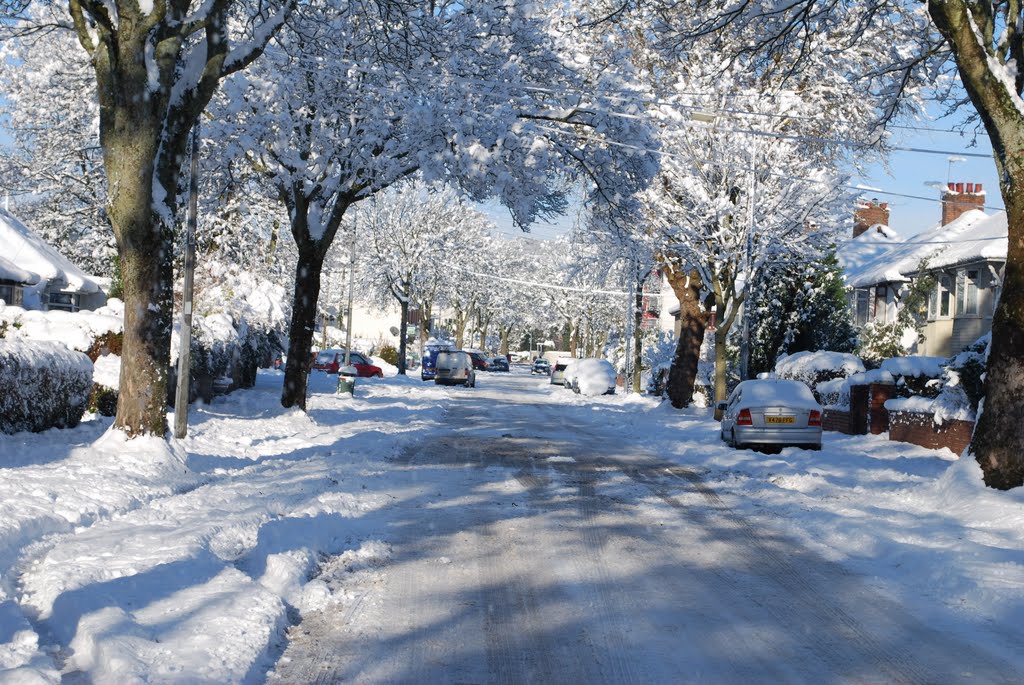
<point>42,385</point>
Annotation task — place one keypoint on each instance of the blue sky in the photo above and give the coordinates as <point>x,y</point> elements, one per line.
<point>913,173</point>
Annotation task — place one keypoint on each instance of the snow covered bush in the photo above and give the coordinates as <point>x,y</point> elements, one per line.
<point>880,341</point>
<point>389,354</point>
<point>42,385</point>
<point>964,375</point>
<point>825,373</point>
<point>817,367</point>
<point>916,375</point>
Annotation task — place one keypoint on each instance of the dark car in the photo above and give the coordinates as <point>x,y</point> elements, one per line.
<point>541,365</point>
<point>480,362</point>
<point>499,364</point>
<point>428,365</point>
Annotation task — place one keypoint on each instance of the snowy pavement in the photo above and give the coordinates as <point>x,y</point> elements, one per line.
<point>212,560</point>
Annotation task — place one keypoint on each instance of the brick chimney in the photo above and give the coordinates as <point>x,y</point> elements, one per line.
<point>867,213</point>
<point>959,198</point>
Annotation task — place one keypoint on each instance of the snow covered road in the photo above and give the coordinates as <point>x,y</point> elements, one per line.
<point>546,546</point>
<point>510,533</point>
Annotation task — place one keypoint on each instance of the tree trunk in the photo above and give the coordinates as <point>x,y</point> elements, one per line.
<point>147,281</point>
<point>300,331</point>
<point>484,325</point>
<point>721,366</point>
<point>682,374</point>
<point>505,334</point>
<point>998,440</point>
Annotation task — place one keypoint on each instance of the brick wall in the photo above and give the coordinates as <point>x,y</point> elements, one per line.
<point>837,420</point>
<point>921,429</point>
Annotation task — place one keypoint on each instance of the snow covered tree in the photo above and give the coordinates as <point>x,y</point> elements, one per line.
<point>722,207</point>
<point>898,50</point>
<point>415,231</point>
<point>156,66</point>
<point>799,308</point>
<point>357,97</point>
<point>53,167</point>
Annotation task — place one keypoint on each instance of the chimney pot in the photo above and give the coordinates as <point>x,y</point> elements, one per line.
<point>959,187</point>
<point>950,185</point>
<point>977,187</point>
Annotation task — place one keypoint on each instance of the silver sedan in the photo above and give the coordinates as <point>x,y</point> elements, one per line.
<point>771,413</point>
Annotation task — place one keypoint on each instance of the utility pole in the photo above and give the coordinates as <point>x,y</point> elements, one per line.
<point>185,338</point>
<point>351,287</point>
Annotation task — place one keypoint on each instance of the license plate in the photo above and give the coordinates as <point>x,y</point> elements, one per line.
<point>778,419</point>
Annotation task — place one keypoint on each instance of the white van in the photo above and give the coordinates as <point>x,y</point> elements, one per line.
<point>455,367</point>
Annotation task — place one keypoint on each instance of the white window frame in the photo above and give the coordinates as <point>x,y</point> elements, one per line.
<point>967,295</point>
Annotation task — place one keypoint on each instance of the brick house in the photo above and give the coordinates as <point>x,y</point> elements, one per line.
<point>965,253</point>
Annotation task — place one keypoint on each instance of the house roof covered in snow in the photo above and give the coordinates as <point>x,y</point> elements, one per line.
<point>30,253</point>
<point>9,271</point>
<point>874,258</point>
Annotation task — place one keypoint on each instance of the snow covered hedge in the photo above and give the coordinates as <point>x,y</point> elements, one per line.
<point>825,373</point>
<point>42,385</point>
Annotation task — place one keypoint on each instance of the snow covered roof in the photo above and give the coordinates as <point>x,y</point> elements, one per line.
<point>30,253</point>
<point>9,271</point>
<point>874,258</point>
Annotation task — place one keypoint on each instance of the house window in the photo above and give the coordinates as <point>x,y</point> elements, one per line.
<point>12,295</point>
<point>938,303</point>
<point>65,301</point>
<point>880,308</point>
<point>967,292</point>
<point>863,301</point>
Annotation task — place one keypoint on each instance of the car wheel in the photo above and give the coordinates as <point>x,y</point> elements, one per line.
<point>733,442</point>
<point>378,375</point>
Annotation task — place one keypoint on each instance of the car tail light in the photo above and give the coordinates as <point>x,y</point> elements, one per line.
<point>744,419</point>
<point>815,418</point>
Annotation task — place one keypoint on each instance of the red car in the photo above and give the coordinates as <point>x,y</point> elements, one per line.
<point>332,360</point>
<point>480,362</point>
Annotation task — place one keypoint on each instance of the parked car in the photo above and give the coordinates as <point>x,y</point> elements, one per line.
<point>428,363</point>
<point>454,367</point>
<point>328,360</point>
<point>771,412</point>
<point>558,370</point>
<point>590,377</point>
<point>541,365</point>
<point>363,364</point>
<point>480,360</point>
<point>499,364</point>
<point>331,360</point>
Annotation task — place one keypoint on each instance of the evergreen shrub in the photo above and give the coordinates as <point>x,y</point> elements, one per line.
<point>43,385</point>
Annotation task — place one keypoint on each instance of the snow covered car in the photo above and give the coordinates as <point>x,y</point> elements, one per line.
<point>454,367</point>
<point>771,412</point>
<point>591,377</point>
